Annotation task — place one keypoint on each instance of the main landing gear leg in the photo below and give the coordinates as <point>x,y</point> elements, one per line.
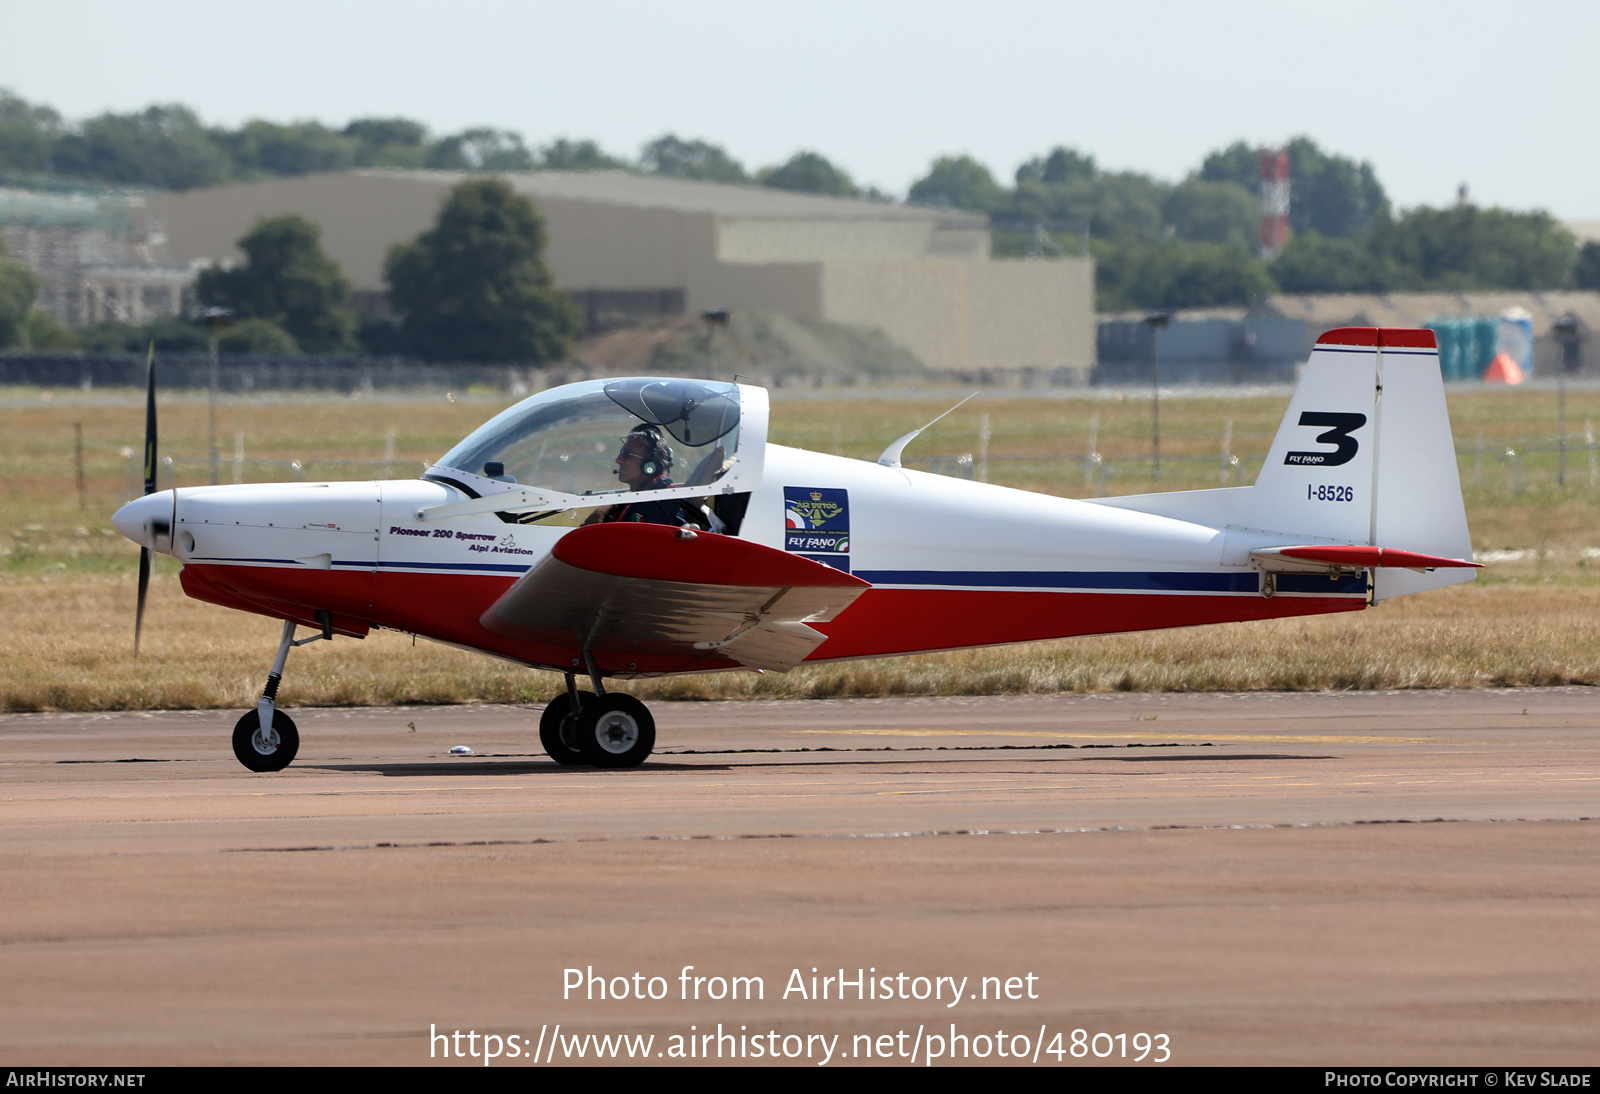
<point>613,730</point>
<point>605,729</point>
<point>266,739</point>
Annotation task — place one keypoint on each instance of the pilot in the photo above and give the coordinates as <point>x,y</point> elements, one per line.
<point>643,463</point>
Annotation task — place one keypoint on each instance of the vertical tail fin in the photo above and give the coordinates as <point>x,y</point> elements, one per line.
<point>1365,455</point>
<point>1317,482</point>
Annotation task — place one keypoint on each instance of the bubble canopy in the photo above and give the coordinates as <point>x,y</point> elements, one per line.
<point>567,439</point>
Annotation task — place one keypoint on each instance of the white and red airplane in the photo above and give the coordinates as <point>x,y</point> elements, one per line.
<point>767,557</point>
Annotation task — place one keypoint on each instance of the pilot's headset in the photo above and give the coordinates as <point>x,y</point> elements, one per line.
<point>658,461</point>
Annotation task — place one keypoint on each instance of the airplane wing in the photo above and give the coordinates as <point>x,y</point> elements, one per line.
<point>668,591</point>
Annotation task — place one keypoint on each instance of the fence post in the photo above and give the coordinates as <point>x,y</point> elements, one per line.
<point>1091,458</point>
<point>983,447</point>
<point>1515,461</point>
<point>77,461</point>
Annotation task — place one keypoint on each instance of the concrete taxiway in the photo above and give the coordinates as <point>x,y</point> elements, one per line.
<point>1396,878</point>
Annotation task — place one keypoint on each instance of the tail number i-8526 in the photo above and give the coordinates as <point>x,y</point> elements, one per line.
<point>1330,493</point>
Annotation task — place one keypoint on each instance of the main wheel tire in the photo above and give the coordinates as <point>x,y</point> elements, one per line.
<point>558,730</point>
<point>615,730</point>
<point>272,753</point>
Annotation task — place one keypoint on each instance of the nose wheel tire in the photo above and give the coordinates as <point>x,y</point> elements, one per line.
<point>558,729</point>
<point>615,730</point>
<point>265,752</point>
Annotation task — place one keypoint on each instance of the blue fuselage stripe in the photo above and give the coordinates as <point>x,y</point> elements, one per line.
<point>1121,581</point>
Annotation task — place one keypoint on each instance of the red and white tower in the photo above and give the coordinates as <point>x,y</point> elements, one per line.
<point>1274,201</point>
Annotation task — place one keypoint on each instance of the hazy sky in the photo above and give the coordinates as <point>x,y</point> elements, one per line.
<point>1501,96</point>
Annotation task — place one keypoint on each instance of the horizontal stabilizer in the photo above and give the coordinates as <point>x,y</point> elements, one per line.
<point>1356,556</point>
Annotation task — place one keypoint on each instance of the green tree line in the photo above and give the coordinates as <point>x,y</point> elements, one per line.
<point>1157,244</point>
<point>1192,243</point>
<point>168,147</point>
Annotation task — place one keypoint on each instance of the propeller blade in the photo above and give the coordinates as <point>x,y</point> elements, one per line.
<point>149,487</point>
<point>144,587</point>
<point>150,422</point>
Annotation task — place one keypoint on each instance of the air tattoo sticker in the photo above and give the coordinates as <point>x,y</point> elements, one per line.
<point>817,524</point>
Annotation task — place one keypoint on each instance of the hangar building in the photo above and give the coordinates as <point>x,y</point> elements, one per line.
<point>630,247</point>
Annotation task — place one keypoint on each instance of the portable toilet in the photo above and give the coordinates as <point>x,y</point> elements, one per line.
<point>1514,338</point>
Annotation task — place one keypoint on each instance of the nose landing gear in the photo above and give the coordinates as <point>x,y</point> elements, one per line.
<point>265,739</point>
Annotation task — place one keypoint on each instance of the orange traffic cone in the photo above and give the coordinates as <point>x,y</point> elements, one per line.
<point>1503,370</point>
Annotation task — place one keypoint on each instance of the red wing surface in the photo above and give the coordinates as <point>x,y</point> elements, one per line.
<point>666,591</point>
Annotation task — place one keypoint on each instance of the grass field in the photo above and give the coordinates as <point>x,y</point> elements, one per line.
<point>66,578</point>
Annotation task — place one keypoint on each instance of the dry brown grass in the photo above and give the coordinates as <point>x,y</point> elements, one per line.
<point>66,580</point>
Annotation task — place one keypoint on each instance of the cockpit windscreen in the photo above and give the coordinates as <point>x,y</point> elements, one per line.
<point>568,439</point>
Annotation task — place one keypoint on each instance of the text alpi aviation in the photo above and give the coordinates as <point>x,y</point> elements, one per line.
<point>721,551</point>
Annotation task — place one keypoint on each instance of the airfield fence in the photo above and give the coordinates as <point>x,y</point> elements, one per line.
<point>243,375</point>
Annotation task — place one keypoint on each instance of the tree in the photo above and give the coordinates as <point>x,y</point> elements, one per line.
<point>27,134</point>
<point>1216,212</point>
<point>286,280</point>
<point>388,142</point>
<point>162,146</point>
<point>170,335</point>
<point>667,155</point>
<point>1335,195</point>
<point>1332,195</point>
<point>1311,263</point>
<point>1061,165</point>
<point>959,182</point>
<point>810,173</point>
<point>475,287</point>
<point>257,337</point>
<point>1124,207</point>
<point>42,334</point>
<point>19,287</point>
<point>1178,275</point>
<point>266,148</point>
<point>481,149</point>
<point>1465,247</point>
<point>565,155</point>
<point>1239,163</point>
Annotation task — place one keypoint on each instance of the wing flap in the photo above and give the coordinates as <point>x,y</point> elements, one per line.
<point>653,589</point>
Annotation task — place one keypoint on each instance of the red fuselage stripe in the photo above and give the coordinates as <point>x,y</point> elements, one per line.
<point>882,622</point>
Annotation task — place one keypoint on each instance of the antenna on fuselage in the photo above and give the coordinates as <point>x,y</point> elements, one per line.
<point>891,455</point>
